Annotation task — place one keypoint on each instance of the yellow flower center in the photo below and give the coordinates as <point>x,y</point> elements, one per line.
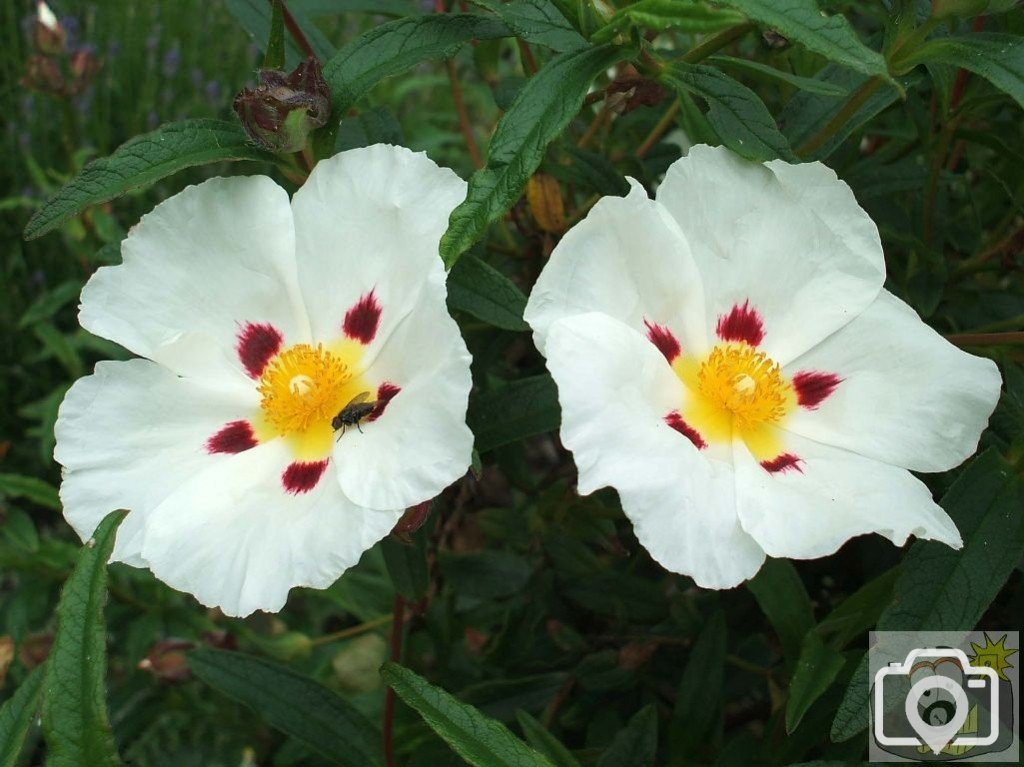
<point>302,387</point>
<point>746,383</point>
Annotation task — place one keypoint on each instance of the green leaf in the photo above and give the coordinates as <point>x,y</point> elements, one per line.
<point>545,105</point>
<point>803,22</point>
<point>783,599</point>
<point>817,668</point>
<point>406,562</point>
<point>75,722</point>
<point>807,113</point>
<point>50,302</point>
<point>859,611</point>
<point>313,8</point>
<point>394,47</point>
<point>273,58</point>
<point>17,714</point>
<point>59,346</point>
<point>763,71</point>
<point>636,744</point>
<point>371,126</point>
<point>999,58</point>
<point>34,489</point>
<point>477,288</point>
<point>739,117</point>
<point>668,14</point>
<point>537,21</point>
<point>544,742</point>
<point>941,589</point>
<point>292,703</point>
<point>480,740</point>
<point>485,574</point>
<point>142,161</point>
<point>701,690</point>
<point>519,409</point>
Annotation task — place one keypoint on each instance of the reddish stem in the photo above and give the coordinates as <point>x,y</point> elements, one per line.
<point>397,629</point>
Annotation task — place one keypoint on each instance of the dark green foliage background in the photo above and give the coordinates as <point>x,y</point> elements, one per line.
<point>539,612</point>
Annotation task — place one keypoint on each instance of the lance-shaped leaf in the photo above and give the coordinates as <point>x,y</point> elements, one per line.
<point>75,721</point>
<point>545,105</point>
<point>17,714</point>
<point>480,740</point>
<point>783,598</point>
<point>803,22</point>
<point>764,72</point>
<point>397,45</point>
<point>537,21</point>
<point>32,488</point>
<point>999,58</point>
<point>698,706</point>
<point>669,14</point>
<point>479,289</point>
<point>519,409</point>
<point>544,741</point>
<point>940,589</point>
<point>739,117</point>
<point>636,743</point>
<point>817,668</point>
<point>142,161</point>
<point>292,703</point>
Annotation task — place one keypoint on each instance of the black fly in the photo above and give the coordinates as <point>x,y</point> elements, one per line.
<point>358,408</point>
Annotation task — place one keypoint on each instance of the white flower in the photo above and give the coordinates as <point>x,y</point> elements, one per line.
<point>727,359</point>
<point>260,320</point>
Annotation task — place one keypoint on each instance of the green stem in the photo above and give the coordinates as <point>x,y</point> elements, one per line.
<point>857,99</point>
<point>716,43</point>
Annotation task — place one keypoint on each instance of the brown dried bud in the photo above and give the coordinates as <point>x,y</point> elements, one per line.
<point>774,40</point>
<point>48,35</point>
<point>280,112</point>
<point>34,650</point>
<point>413,519</point>
<point>544,197</point>
<point>636,91</point>
<point>167,660</point>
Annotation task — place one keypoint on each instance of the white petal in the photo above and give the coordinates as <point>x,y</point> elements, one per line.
<point>232,537</point>
<point>628,260</point>
<point>196,269</point>
<point>791,240</point>
<point>421,443</point>
<point>835,496</point>
<point>370,219</point>
<point>615,390</point>
<point>127,436</point>
<point>907,396</point>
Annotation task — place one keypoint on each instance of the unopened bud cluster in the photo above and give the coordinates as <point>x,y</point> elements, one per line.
<point>280,112</point>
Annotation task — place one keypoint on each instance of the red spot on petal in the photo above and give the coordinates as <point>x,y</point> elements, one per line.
<point>782,463</point>
<point>385,393</point>
<point>662,338</point>
<point>676,421</point>
<point>363,319</point>
<point>813,387</point>
<point>235,437</point>
<point>742,323</point>
<point>302,476</point>
<point>257,345</point>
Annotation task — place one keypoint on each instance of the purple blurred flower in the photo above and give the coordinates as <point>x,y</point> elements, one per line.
<point>213,92</point>
<point>114,48</point>
<point>38,278</point>
<point>196,77</point>
<point>153,38</point>
<point>152,120</point>
<point>172,60</point>
<point>70,24</point>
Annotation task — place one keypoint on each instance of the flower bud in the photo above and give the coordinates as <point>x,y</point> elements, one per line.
<point>48,35</point>
<point>280,112</point>
<point>544,197</point>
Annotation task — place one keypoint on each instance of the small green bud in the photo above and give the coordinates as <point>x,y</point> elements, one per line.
<point>280,112</point>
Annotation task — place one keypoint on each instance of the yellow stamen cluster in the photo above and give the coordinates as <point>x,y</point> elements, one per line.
<point>303,386</point>
<point>745,382</point>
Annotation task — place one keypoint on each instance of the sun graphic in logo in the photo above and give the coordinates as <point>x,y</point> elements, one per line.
<point>994,655</point>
